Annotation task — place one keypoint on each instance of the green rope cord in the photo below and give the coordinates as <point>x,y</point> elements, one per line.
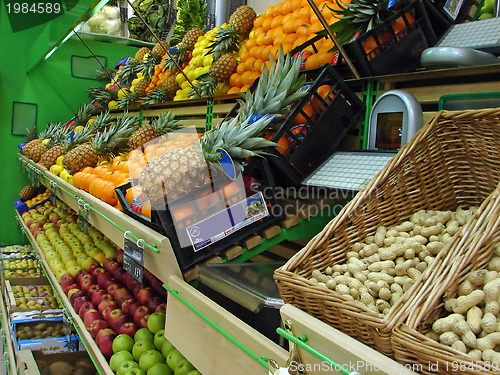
<point>261,360</point>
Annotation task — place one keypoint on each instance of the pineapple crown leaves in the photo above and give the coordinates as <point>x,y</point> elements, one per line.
<point>30,133</point>
<point>225,41</point>
<point>104,74</point>
<point>205,87</point>
<point>147,67</point>
<point>274,91</point>
<point>165,123</point>
<point>129,100</point>
<point>83,115</point>
<point>60,136</point>
<point>114,140</point>
<point>157,95</point>
<point>239,139</point>
<point>178,53</point>
<point>51,128</point>
<point>128,70</point>
<point>102,95</point>
<point>103,120</point>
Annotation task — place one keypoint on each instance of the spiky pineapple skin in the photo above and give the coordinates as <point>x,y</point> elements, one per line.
<point>80,157</point>
<point>141,86</point>
<point>49,158</point>
<point>34,150</point>
<point>142,136</point>
<point>223,67</point>
<point>172,174</point>
<point>191,37</point>
<point>139,55</point>
<point>171,85</point>
<point>241,20</point>
<point>159,48</point>
<point>27,192</point>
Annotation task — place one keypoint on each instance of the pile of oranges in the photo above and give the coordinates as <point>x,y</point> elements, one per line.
<point>289,24</point>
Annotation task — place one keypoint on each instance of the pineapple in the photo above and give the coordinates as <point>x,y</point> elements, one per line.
<point>141,86</point>
<point>105,74</point>
<point>191,37</point>
<point>156,96</point>
<point>220,71</point>
<point>160,49</point>
<point>171,86</point>
<point>37,147</point>
<point>27,193</point>
<point>163,124</point>
<point>139,55</point>
<point>56,147</point>
<point>147,67</point>
<point>102,95</point>
<point>130,99</point>
<point>239,26</point>
<point>112,141</point>
<point>83,115</point>
<point>128,70</point>
<point>177,53</point>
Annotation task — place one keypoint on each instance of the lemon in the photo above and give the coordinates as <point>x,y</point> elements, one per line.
<point>180,78</point>
<point>192,75</point>
<point>185,84</point>
<point>198,60</point>
<point>198,50</point>
<point>56,169</point>
<point>204,70</point>
<point>208,59</point>
<point>222,89</point>
<point>59,160</point>
<point>64,174</point>
<point>140,75</point>
<point>90,121</point>
<point>79,128</point>
<point>112,104</point>
<point>122,93</point>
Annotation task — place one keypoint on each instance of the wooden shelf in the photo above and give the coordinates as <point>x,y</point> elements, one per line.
<point>189,333</point>
<point>337,346</point>
<point>8,349</point>
<point>162,264</point>
<point>97,357</point>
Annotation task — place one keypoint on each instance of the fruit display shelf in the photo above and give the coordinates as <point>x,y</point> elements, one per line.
<point>161,261</point>
<point>95,354</point>
<point>10,359</point>
<point>235,347</point>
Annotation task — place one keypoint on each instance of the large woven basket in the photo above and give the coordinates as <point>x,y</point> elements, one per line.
<point>453,161</point>
<point>472,252</point>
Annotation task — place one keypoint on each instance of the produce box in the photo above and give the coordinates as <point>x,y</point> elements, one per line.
<point>452,163</point>
<point>46,336</point>
<point>476,255</point>
<point>36,362</point>
<point>30,294</point>
<point>23,207</point>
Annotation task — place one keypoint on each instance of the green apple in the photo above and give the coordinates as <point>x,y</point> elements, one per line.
<point>144,334</point>
<point>141,347</point>
<point>150,358</point>
<point>183,367</point>
<point>118,358</point>
<point>194,372</point>
<point>159,340</point>
<point>173,358</point>
<point>126,366</point>
<point>160,369</point>
<point>156,322</point>
<point>166,348</point>
<point>123,342</point>
<point>135,371</point>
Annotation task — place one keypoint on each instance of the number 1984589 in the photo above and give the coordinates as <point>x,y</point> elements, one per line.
<point>33,8</point>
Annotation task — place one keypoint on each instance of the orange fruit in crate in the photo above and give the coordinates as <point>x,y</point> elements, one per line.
<point>283,142</point>
<point>308,109</point>
<point>323,92</point>
<point>320,58</point>
<point>233,90</point>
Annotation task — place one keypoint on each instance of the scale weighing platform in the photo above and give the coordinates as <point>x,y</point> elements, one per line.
<point>396,116</point>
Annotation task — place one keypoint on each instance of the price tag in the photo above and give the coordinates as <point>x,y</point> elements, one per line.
<point>83,217</point>
<point>36,178</point>
<point>67,326</point>
<point>53,192</point>
<point>133,258</point>
<point>132,267</point>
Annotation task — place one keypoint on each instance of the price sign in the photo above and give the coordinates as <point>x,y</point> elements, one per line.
<point>67,326</point>
<point>83,217</point>
<point>53,192</point>
<point>133,259</point>
<point>36,178</point>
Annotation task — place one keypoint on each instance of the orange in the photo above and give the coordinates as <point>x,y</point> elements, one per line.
<point>323,92</point>
<point>235,80</point>
<point>279,39</point>
<point>240,68</point>
<point>255,52</point>
<point>400,24</point>
<point>316,27</point>
<point>308,110</point>
<point>248,62</point>
<point>295,4</point>
<point>320,58</point>
<point>287,48</point>
<point>287,7</point>
<point>257,65</point>
<point>283,142</point>
<point>326,46</point>
<point>277,21</point>
<point>304,12</point>
<point>248,77</point>
<point>303,30</point>
<point>266,24</point>
<point>244,88</point>
<point>299,41</point>
<point>251,42</point>
<point>257,22</point>
<point>269,10</point>
<point>244,55</point>
<point>277,9</point>
<point>233,90</point>
<point>290,39</point>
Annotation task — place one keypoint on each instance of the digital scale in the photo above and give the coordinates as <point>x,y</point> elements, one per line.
<point>395,118</point>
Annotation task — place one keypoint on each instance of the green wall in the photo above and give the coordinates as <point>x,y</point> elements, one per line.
<point>48,84</point>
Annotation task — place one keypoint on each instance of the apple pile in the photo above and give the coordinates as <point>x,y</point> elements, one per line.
<point>111,302</point>
<point>66,247</point>
<point>149,352</point>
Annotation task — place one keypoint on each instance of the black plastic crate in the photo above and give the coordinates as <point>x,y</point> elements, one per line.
<point>312,136</point>
<point>188,218</point>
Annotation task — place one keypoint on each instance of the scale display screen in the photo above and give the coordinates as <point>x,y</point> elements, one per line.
<point>388,133</point>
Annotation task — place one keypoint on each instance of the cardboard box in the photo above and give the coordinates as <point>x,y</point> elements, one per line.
<point>26,336</point>
<point>33,362</point>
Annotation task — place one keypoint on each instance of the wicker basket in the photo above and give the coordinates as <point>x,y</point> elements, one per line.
<point>453,161</point>
<point>472,252</point>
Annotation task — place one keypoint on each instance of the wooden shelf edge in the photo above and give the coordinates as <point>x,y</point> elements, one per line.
<point>337,346</point>
<point>161,267</point>
<point>191,335</point>
<point>92,348</point>
<point>9,349</point>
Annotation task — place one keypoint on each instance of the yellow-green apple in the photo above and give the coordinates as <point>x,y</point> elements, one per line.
<point>150,358</point>
<point>119,357</point>
<point>123,342</point>
<point>194,372</point>
<point>160,369</point>
<point>156,322</point>
<point>96,326</point>
<point>166,348</point>
<point>173,358</point>
<point>104,340</point>
<point>129,328</point>
<point>184,367</point>
<point>159,339</point>
<point>144,334</point>
<point>134,371</point>
<point>140,347</point>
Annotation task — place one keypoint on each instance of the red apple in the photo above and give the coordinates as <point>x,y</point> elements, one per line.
<point>157,286</point>
<point>79,302</point>
<point>97,296</point>
<point>125,306</point>
<point>86,306</point>
<point>80,274</point>
<point>120,293</point>
<point>119,322</point>
<point>89,316</point>
<point>132,308</point>
<point>143,323</point>
<point>75,293</point>
<point>104,340</point>
<point>110,265</point>
<point>137,289</point>
<point>86,279</point>
<point>72,286</point>
<point>94,288</point>
<point>86,284</point>
<point>96,326</point>
<point>153,303</point>
<point>94,267</point>
<point>129,328</point>
<point>132,283</point>
<point>144,295</point>
<point>119,256</point>
<point>107,310</point>
<point>120,274</point>
<point>113,286</point>
<point>162,307</point>
<point>104,279</point>
<point>114,315</point>
<point>122,300</point>
<point>140,313</point>
<point>66,280</point>
<point>106,302</point>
